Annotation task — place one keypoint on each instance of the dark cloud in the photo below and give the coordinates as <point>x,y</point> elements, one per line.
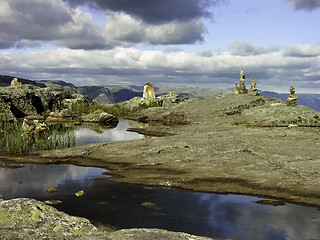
<point>305,4</point>
<point>155,11</point>
<point>28,23</point>
<point>31,19</point>
<point>27,44</point>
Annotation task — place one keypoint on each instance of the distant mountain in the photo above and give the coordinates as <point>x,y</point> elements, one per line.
<point>124,93</point>
<point>99,94</point>
<point>309,100</point>
<point>120,93</point>
<point>57,83</point>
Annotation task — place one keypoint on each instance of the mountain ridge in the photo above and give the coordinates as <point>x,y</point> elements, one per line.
<point>119,93</point>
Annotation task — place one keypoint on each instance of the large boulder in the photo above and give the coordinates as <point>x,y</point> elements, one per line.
<point>29,219</point>
<point>28,100</point>
<point>137,103</point>
<point>102,117</point>
<point>170,98</point>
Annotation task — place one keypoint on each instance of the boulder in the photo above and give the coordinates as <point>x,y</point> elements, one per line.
<point>28,100</point>
<point>170,98</point>
<point>29,219</point>
<point>100,116</point>
<point>137,103</point>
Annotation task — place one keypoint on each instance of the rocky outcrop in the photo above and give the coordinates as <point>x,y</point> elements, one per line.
<point>100,116</point>
<point>28,219</point>
<point>170,98</point>
<point>137,103</point>
<point>27,100</point>
<point>269,112</point>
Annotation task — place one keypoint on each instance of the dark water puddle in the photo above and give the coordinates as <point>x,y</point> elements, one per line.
<point>131,206</point>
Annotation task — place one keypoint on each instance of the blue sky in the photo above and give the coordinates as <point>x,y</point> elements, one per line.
<point>182,42</point>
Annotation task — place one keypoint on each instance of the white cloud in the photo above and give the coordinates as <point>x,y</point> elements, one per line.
<point>273,70</point>
<point>176,32</point>
<point>302,50</point>
<point>35,20</point>
<point>243,48</point>
<point>125,30</point>
<point>23,22</point>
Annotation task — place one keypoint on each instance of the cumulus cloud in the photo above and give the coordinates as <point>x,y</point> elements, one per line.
<point>242,48</point>
<point>24,22</point>
<point>272,70</point>
<point>28,24</point>
<point>122,29</point>
<point>305,4</point>
<point>303,50</point>
<point>155,11</point>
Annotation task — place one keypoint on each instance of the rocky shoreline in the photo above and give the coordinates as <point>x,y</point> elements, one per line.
<point>240,144</point>
<point>28,219</point>
<point>216,149</point>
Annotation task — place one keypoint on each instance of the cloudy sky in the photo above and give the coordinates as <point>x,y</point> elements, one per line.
<point>168,42</point>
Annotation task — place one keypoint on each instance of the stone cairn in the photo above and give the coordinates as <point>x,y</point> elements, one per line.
<point>236,88</point>
<point>15,82</point>
<point>242,86</point>
<point>292,99</point>
<point>148,91</point>
<point>253,89</point>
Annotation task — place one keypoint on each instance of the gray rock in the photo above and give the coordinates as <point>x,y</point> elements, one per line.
<point>137,103</point>
<point>100,116</point>
<point>30,219</point>
<point>25,100</point>
<point>170,98</point>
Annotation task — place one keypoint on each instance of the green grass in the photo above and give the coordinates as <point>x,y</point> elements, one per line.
<point>14,140</point>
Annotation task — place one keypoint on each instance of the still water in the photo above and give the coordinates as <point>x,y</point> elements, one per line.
<point>95,133</point>
<point>130,206</point>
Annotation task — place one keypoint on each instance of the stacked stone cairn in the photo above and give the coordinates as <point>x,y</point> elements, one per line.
<point>15,82</point>
<point>241,87</point>
<point>292,99</point>
<point>236,89</point>
<point>253,89</point>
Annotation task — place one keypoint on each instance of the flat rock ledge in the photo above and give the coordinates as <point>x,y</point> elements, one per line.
<point>29,219</point>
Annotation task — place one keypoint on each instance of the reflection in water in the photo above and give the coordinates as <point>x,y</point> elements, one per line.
<point>33,179</point>
<point>14,140</point>
<point>90,134</point>
<point>129,206</point>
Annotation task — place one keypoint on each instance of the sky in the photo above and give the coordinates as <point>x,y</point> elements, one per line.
<point>202,43</point>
